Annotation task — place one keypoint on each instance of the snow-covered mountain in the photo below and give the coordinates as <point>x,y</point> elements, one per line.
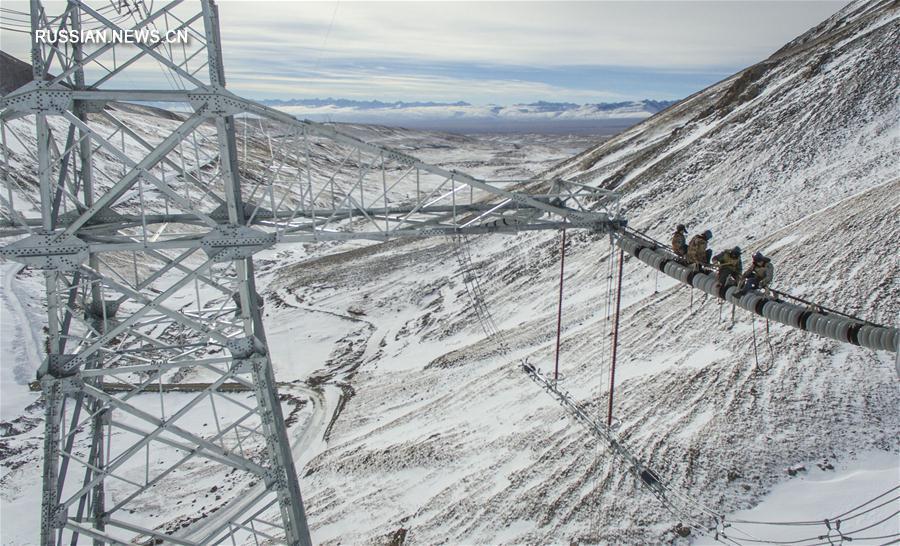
<point>344,108</point>
<point>432,434</point>
<point>444,441</point>
<point>558,117</point>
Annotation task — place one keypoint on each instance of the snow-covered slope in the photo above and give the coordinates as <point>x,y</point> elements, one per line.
<point>804,134</point>
<point>446,442</point>
<point>436,435</point>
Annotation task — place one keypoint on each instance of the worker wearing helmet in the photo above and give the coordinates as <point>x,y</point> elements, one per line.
<point>729,265</point>
<point>679,242</point>
<point>759,275</point>
<point>697,253</point>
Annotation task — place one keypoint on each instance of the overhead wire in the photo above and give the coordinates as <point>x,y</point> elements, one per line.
<point>604,340</point>
<point>888,492</point>
<point>173,78</point>
<point>876,524</point>
<point>819,521</point>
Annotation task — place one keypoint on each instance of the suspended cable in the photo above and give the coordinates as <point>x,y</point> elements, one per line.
<point>818,522</point>
<point>760,369</point>
<point>615,339</point>
<point>562,269</point>
<point>888,492</point>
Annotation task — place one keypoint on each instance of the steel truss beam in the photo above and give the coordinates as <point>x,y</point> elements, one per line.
<point>146,236</point>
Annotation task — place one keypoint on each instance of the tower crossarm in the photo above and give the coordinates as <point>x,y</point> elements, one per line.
<point>304,194</point>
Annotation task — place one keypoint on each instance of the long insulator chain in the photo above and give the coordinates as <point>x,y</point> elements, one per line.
<point>476,293</point>
<point>468,272</point>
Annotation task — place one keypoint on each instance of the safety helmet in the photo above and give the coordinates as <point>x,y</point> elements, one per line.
<point>680,227</point>
<point>707,235</point>
<point>736,250</point>
<point>758,257</point>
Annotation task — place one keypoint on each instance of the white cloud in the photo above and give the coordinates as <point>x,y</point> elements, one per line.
<point>449,50</point>
<point>366,85</point>
<point>645,34</point>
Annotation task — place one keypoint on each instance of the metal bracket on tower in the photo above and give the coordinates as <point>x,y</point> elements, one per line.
<point>216,101</point>
<point>245,347</point>
<point>102,216</point>
<point>274,477</point>
<point>39,98</point>
<point>63,365</point>
<point>249,210</point>
<point>48,251</point>
<point>234,242</point>
<point>60,515</point>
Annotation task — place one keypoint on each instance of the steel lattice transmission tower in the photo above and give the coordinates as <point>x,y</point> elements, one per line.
<point>100,318</point>
<point>146,233</point>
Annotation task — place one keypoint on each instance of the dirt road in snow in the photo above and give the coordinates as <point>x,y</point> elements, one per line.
<point>20,346</point>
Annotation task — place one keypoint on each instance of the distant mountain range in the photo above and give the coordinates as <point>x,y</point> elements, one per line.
<point>374,110</point>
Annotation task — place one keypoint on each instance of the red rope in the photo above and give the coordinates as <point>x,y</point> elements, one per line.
<point>562,268</point>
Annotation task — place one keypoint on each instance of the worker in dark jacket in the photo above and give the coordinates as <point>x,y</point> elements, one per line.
<point>759,275</point>
<point>679,242</point>
<point>729,265</point>
<point>697,253</point>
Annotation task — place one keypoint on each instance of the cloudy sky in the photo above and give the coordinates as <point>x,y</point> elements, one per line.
<point>496,52</point>
<point>502,52</point>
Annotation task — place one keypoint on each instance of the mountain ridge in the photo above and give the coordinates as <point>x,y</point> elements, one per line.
<point>374,110</point>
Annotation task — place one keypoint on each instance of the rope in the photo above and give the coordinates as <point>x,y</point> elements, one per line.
<point>759,368</point>
<point>769,344</point>
<point>562,270</point>
<point>604,340</point>
<point>615,340</point>
<point>609,276</point>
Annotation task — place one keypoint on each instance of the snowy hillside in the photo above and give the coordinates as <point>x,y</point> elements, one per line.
<point>420,430</point>
<point>796,157</point>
